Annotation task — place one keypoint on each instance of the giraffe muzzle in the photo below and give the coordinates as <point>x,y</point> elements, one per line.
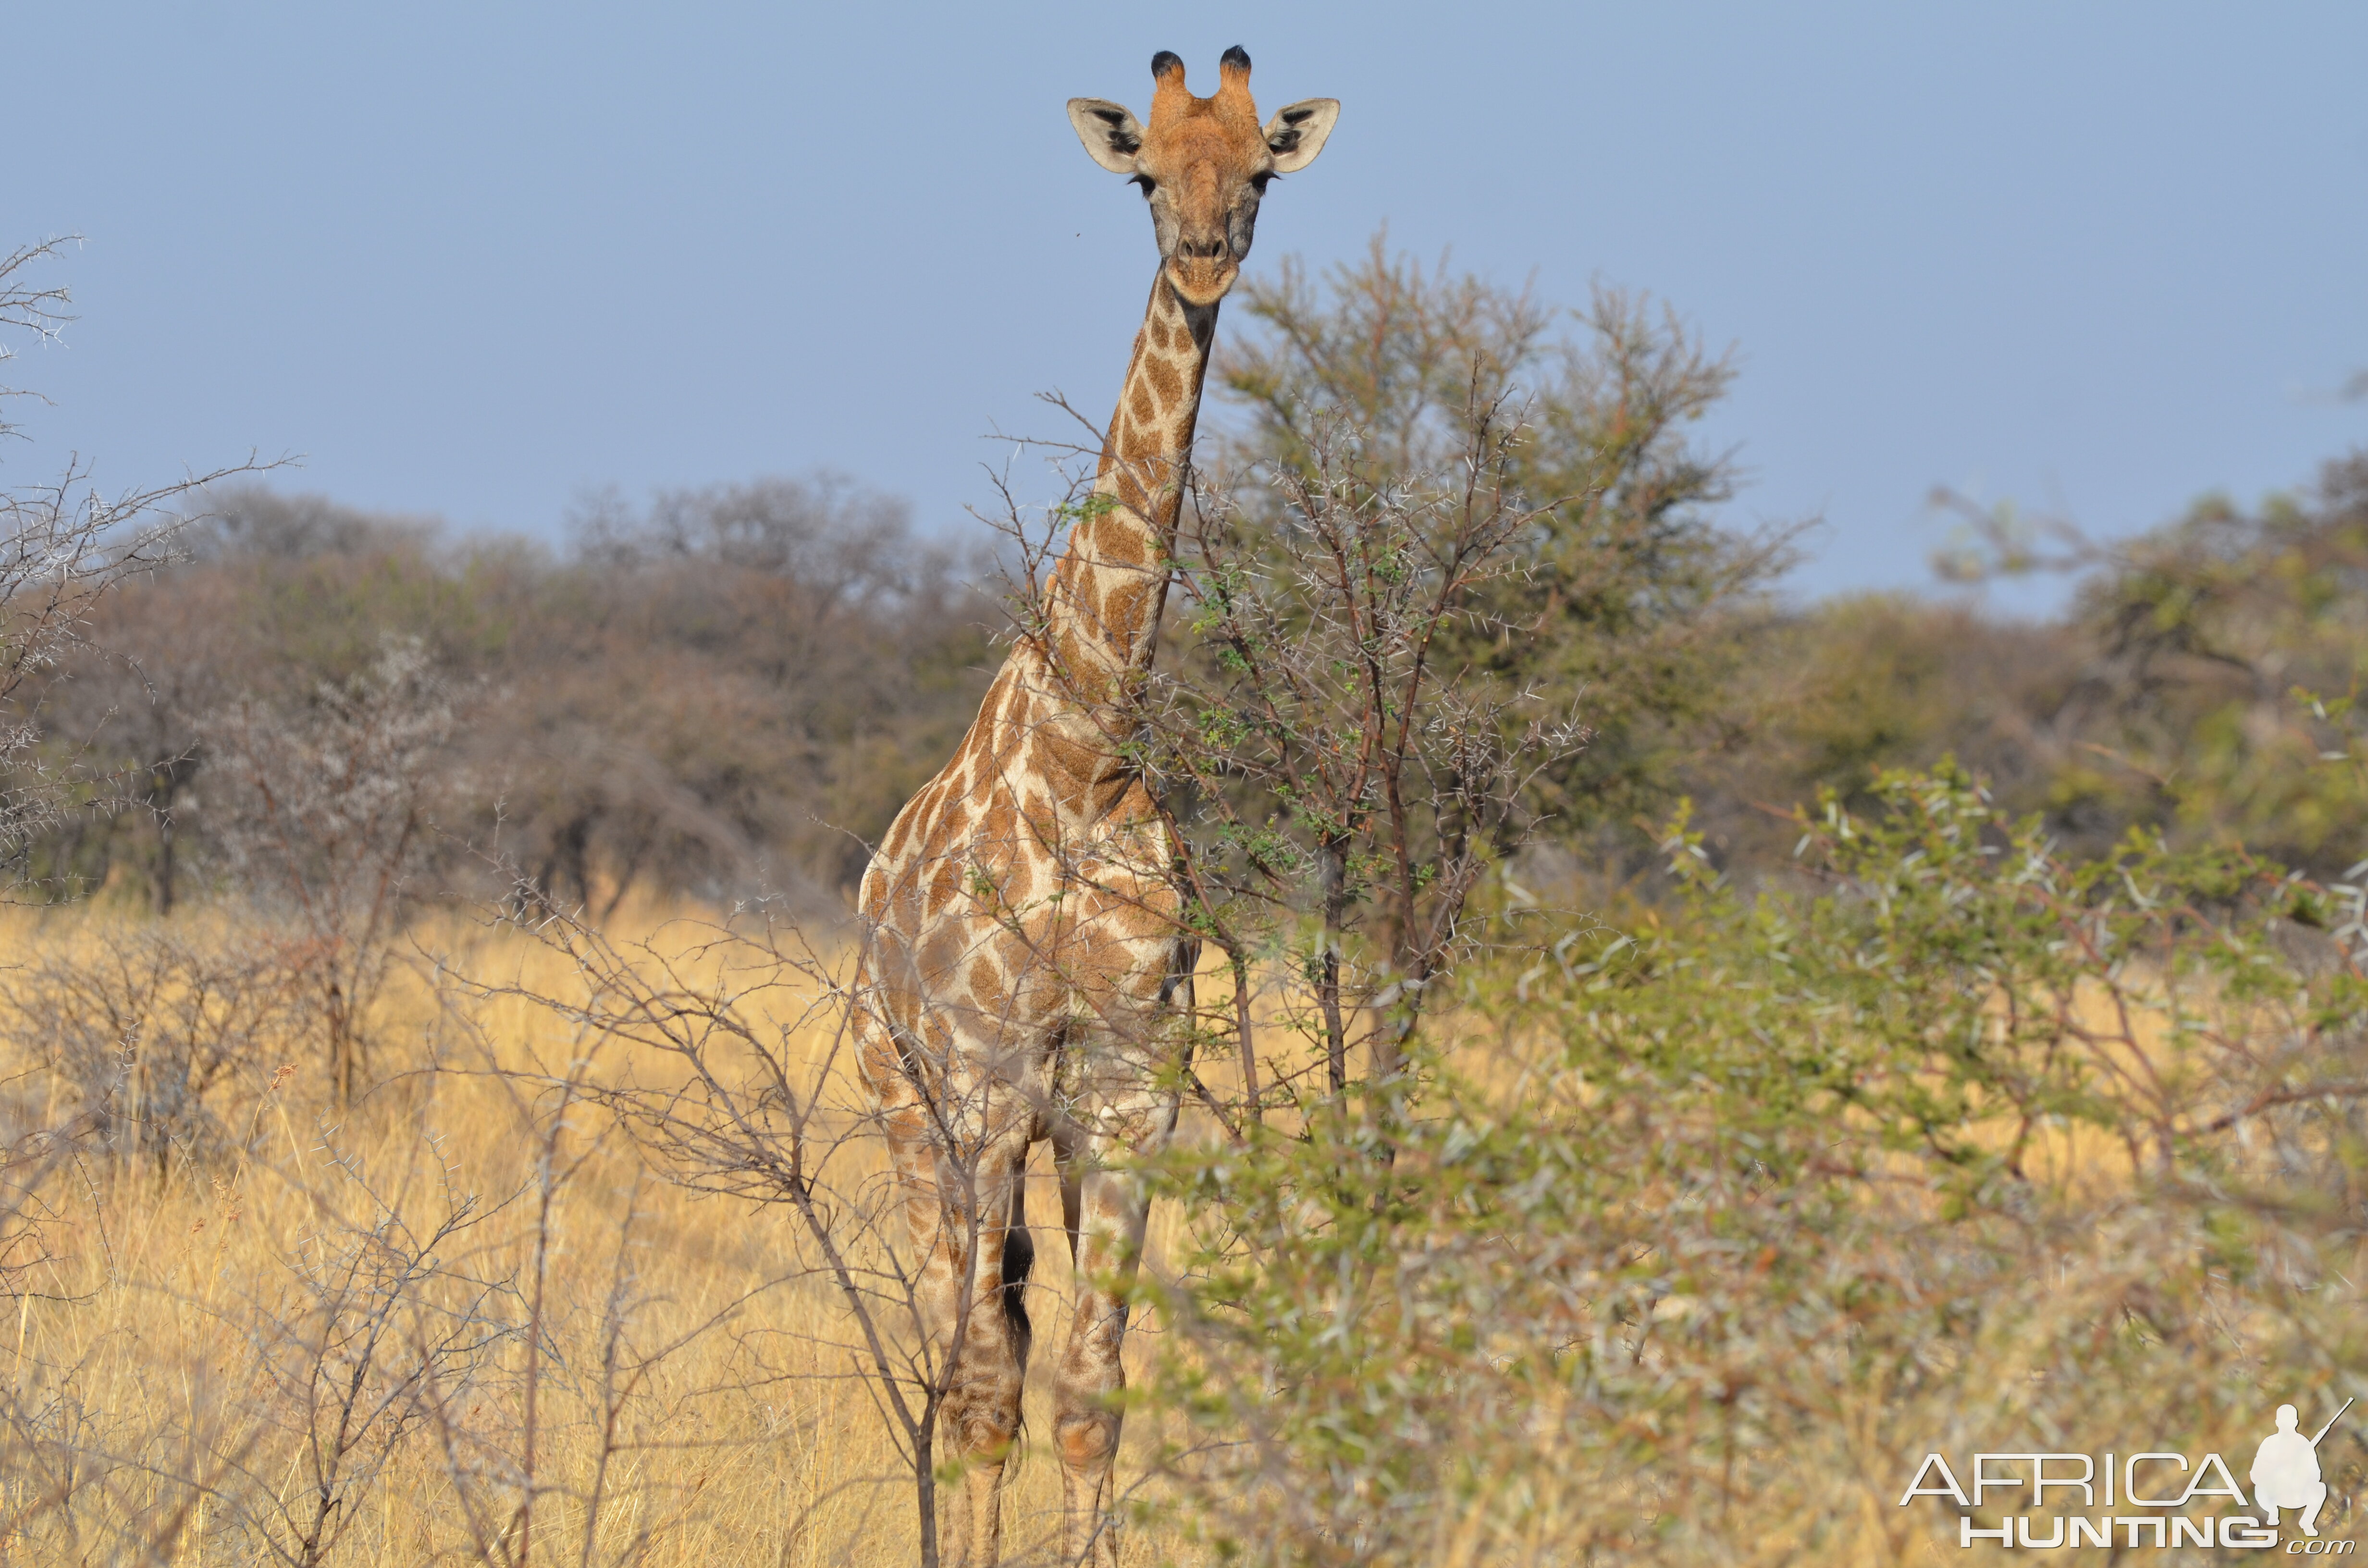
<point>1202,269</point>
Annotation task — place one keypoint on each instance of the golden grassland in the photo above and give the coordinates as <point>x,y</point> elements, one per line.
<point>698,1397</point>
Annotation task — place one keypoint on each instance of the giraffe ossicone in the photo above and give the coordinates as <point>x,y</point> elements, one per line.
<point>1026,974</point>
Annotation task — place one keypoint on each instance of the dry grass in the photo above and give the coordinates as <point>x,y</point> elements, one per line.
<point>694,1396</point>
<point>683,1389</point>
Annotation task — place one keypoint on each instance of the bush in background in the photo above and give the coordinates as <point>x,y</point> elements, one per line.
<point>1973,1146</point>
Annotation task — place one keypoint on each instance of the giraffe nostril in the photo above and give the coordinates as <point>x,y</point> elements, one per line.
<point>1210,248</point>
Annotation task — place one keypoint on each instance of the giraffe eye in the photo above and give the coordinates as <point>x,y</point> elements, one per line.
<point>1146,182</point>
<point>1258,182</point>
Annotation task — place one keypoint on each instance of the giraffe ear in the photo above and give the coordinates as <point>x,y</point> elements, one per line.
<point>1109,132</point>
<point>1296,134</point>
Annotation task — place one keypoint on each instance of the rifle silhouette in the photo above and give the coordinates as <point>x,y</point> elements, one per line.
<point>2330,1423</point>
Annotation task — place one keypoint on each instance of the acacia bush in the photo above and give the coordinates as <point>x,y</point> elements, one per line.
<point>1621,593</point>
<point>1341,776</point>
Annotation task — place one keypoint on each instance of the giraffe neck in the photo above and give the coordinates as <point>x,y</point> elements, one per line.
<point>1103,610</point>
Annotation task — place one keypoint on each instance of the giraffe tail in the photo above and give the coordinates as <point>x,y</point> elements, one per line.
<point>1019,1262</point>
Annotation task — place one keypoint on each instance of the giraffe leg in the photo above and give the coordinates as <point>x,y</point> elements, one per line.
<point>970,1286</point>
<point>980,1418</point>
<point>1106,1211</point>
<point>1120,1114</point>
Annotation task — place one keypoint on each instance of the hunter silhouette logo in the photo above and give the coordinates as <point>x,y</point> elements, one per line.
<point>2158,1498</point>
<point>2285,1470</point>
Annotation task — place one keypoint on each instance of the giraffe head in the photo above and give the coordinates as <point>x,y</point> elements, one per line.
<point>1203,165</point>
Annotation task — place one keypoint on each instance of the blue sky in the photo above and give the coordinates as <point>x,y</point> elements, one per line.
<point>472,260</point>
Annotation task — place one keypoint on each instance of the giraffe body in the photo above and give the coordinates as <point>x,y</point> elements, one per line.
<point>1026,974</point>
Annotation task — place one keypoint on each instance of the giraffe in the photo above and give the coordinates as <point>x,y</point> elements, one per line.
<point>1025,974</point>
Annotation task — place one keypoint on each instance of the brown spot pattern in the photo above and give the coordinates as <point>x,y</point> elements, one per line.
<point>1128,545</point>
<point>1124,606</point>
<point>1164,382</point>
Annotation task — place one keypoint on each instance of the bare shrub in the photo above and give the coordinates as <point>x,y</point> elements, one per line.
<point>63,545</point>
<point>166,1038</point>
<point>723,1051</point>
<point>312,1376</point>
<point>265,1394</point>
<point>378,1321</point>
<point>329,812</point>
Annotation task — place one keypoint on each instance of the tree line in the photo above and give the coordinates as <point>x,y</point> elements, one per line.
<point>730,690</point>
<point>724,689</point>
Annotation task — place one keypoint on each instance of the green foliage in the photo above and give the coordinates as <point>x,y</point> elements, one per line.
<point>2213,634</point>
<point>2202,684</point>
<point>1965,1144</point>
<point>1839,691</point>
